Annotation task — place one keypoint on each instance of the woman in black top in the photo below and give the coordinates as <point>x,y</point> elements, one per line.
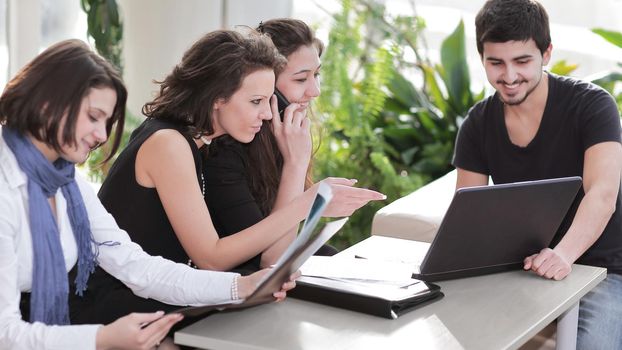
<point>223,85</point>
<point>247,182</point>
<point>154,188</point>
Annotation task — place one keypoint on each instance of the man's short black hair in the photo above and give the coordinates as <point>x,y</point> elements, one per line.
<point>512,20</point>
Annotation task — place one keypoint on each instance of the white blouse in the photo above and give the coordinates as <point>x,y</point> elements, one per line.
<point>147,276</point>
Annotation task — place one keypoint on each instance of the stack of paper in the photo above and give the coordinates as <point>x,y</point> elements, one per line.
<point>368,270</point>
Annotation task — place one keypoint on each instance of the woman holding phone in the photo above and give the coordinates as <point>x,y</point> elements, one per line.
<point>222,86</point>
<point>247,182</point>
<point>53,228</point>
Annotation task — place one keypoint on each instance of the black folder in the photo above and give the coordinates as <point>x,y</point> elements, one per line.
<point>374,298</point>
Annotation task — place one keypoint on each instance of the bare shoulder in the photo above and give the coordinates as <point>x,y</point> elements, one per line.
<point>165,154</point>
<point>166,142</point>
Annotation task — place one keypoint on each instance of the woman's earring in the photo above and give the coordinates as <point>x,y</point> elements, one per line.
<point>205,140</point>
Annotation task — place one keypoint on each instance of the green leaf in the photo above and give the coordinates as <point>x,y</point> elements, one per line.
<point>561,67</point>
<point>607,80</point>
<point>456,71</point>
<point>610,35</point>
<point>434,89</point>
<point>403,90</point>
<point>378,74</point>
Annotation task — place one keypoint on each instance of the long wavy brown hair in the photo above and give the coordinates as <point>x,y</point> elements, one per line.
<point>265,162</point>
<point>212,69</point>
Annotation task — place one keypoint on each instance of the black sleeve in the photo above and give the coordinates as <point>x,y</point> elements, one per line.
<point>468,150</point>
<point>600,119</point>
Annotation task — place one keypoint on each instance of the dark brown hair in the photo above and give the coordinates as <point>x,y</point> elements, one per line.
<point>512,20</point>
<point>213,68</point>
<point>265,162</point>
<point>288,35</point>
<point>53,86</point>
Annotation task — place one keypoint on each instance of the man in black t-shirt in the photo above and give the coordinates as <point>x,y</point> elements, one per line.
<point>539,125</point>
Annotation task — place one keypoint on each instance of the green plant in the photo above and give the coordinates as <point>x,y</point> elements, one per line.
<point>379,127</point>
<point>611,81</point>
<point>105,27</point>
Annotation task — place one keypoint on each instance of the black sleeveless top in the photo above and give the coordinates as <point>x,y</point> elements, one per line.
<point>137,209</point>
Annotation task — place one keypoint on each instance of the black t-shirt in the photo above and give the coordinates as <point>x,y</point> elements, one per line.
<point>577,116</point>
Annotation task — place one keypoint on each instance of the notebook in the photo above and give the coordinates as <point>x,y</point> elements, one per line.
<point>308,241</point>
<point>486,229</point>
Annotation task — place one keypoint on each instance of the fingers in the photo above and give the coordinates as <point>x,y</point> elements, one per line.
<point>156,331</point>
<point>274,107</point>
<point>346,186</point>
<point>280,296</point>
<point>548,264</point>
<point>291,117</point>
<point>288,285</point>
<point>347,199</point>
<point>528,262</point>
<point>340,181</point>
<point>144,319</point>
<point>294,276</point>
<point>542,262</point>
<point>561,274</point>
<point>361,193</point>
<point>306,123</point>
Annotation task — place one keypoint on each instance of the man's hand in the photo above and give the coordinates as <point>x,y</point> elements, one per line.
<point>548,264</point>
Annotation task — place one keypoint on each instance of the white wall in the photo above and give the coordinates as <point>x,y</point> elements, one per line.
<point>24,32</point>
<point>157,33</point>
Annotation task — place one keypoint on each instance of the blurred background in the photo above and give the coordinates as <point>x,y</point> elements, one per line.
<point>398,76</point>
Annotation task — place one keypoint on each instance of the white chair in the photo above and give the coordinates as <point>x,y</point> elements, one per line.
<point>418,215</point>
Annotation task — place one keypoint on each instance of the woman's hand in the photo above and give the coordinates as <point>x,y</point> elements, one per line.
<point>289,285</point>
<point>128,332</point>
<point>293,133</point>
<point>248,284</point>
<point>346,197</point>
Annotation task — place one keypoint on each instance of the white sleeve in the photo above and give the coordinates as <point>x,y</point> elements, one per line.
<point>149,276</point>
<point>14,332</point>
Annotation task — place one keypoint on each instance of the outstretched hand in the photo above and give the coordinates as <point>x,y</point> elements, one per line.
<point>548,264</point>
<point>347,198</point>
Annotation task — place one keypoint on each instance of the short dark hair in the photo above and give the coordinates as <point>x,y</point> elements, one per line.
<point>213,68</point>
<point>512,20</point>
<point>52,86</point>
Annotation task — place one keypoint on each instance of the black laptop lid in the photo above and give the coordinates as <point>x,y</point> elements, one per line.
<point>493,228</point>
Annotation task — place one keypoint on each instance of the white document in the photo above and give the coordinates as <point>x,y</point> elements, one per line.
<point>358,269</point>
<point>390,249</point>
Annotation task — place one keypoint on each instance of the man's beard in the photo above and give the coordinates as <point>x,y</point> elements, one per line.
<point>517,102</point>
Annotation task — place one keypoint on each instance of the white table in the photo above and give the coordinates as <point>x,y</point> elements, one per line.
<point>498,311</point>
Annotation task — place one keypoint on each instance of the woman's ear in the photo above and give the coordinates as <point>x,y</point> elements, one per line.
<point>219,102</point>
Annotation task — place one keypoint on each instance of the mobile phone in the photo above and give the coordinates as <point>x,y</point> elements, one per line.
<point>281,101</point>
